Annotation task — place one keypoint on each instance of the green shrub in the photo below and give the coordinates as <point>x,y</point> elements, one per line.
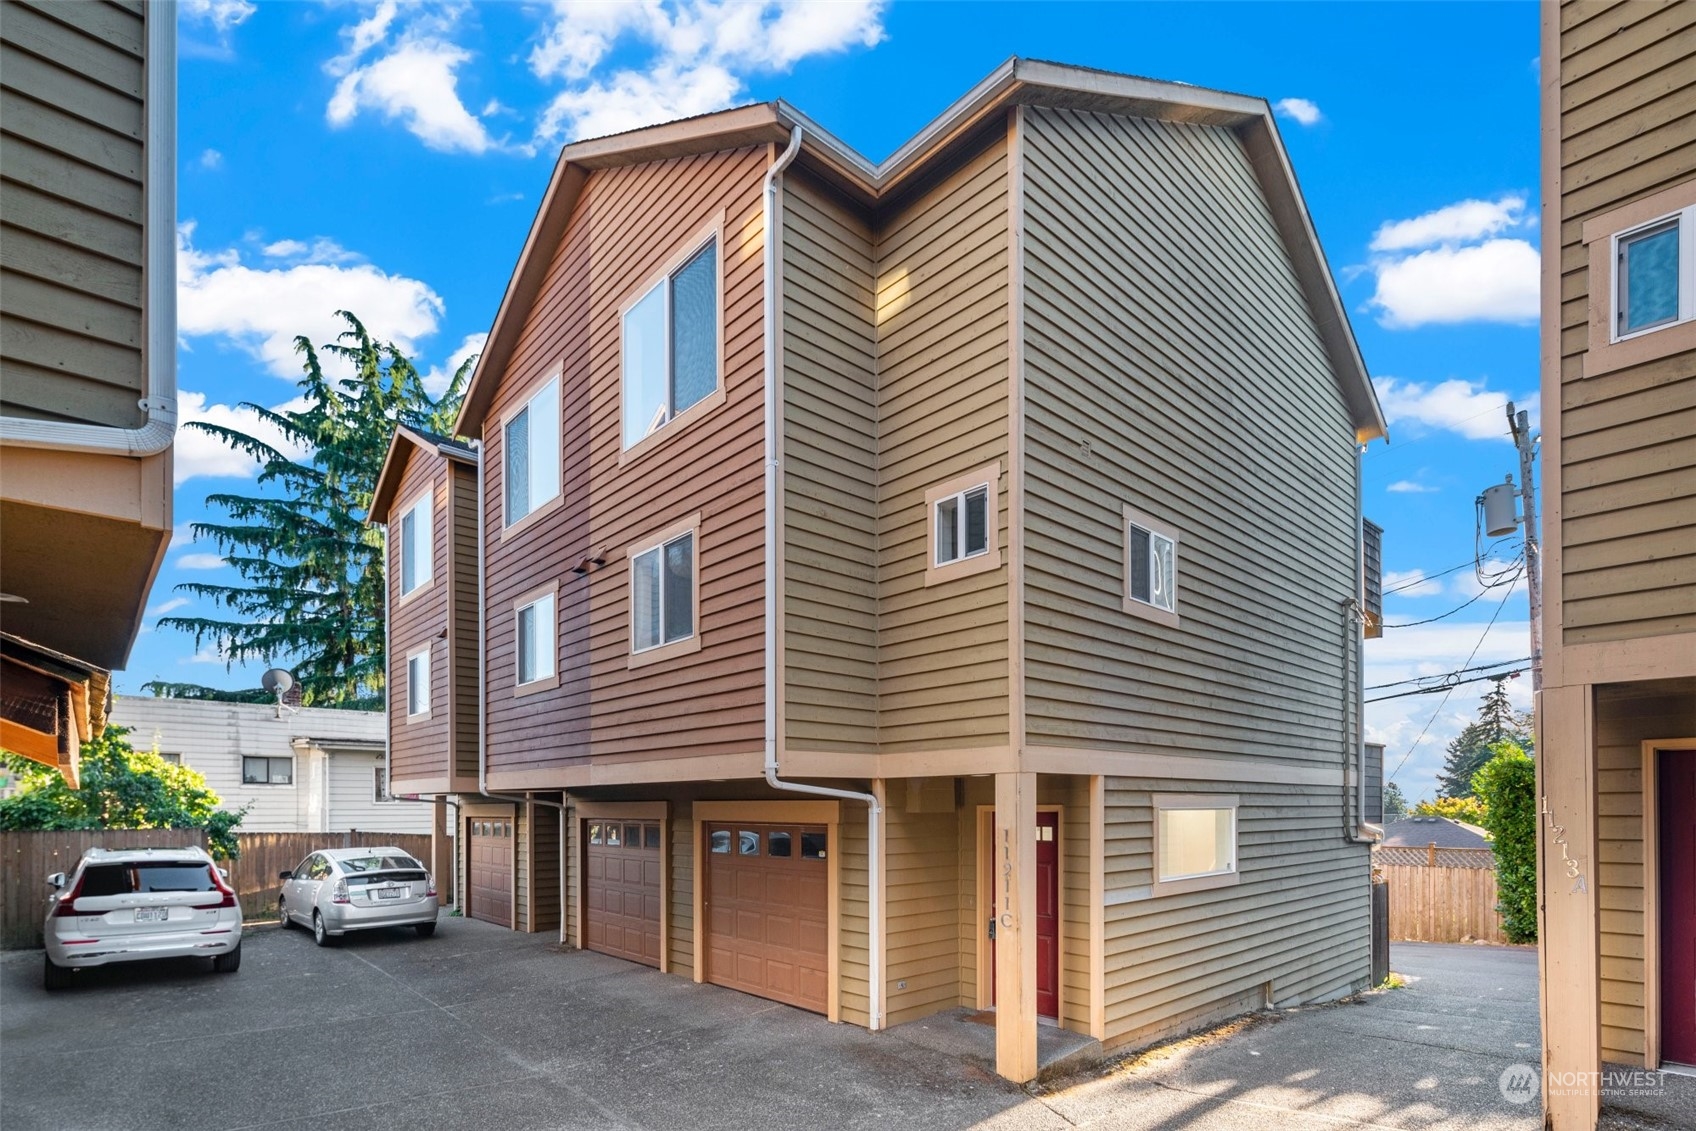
<point>1507,784</point>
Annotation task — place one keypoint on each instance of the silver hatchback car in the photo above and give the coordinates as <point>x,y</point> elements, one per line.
<point>337,890</point>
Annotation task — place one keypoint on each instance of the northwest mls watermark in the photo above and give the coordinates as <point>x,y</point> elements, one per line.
<point>1520,1083</point>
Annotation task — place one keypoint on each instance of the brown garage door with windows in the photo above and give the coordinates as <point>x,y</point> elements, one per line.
<point>621,896</point>
<point>490,881</point>
<point>767,899</point>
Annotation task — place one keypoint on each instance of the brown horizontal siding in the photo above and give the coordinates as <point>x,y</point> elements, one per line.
<point>1628,437</point>
<point>420,750</point>
<point>709,702</point>
<point>942,340</point>
<point>1167,331</point>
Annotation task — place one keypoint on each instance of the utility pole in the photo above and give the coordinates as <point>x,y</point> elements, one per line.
<point>1519,424</point>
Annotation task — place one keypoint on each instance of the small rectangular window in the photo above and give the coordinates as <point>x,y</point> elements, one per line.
<point>536,647</point>
<point>532,464</point>
<point>1151,568</point>
<point>594,832</point>
<point>962,525</point>
<point>1649,278</point>
<point>812,846</point>
<point>612,838</point>
<point>663,594</point>
<point>267,771</point>
<point>417,545</point>
<point>173,759</point>
<point>748,843</point>
<point>1195,841</point>
<point>670,346</point>
<point>633,836</point>
<point>778,844</point>
<point>418,684</point>
<point>718,842</point>
<point>650,836</point>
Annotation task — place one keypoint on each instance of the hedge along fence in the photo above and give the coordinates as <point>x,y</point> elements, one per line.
<point>28,858</point>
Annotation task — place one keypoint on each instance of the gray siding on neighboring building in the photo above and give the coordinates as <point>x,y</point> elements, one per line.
<point>1172,364</point>
<point>72,153</point>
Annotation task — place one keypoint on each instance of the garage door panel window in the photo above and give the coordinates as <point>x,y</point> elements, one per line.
<point>812,846</point>
<point>718,842</point>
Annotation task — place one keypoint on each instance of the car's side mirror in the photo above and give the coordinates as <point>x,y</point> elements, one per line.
<point>285,875</point>
<point>56,880</point>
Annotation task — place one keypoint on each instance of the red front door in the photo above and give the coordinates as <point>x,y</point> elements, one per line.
<point>1677,805</point>
<point>1047,916</point>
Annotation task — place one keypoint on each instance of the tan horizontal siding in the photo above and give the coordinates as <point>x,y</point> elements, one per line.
<point>71,211</point>
<point>1628,437</point>
<point>830,473</point>
<point>922,899</point>
<point>942,340</point>
<point>683,849</point>
<point>1167,331</point>
<point>1298,919</point>
<point>419,750</point>
<point>854,969</point>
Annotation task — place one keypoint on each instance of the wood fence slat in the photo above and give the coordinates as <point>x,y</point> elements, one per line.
<point>28,858</point>
<point>1443,904</point>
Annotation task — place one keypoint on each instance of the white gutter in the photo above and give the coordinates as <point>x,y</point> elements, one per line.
<point>159,303</point>
<point>1364,831</point>
<point>874,811</point>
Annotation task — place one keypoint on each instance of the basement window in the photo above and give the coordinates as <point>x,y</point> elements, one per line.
<point>1195,838</point>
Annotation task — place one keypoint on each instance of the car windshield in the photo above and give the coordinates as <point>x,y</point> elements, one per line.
<point>128,879</point>
<point>360,865</point>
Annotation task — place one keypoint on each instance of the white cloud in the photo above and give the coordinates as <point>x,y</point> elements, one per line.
<point>201,561</point>
<point>1410,583</point>
<point>413,80</point>
<point>168,607</point>
<point>1470,410</point>
<point>697,55</point>
<point>210,159</point>
<point>436,380</point>
<point>198,455</point>
<point>182,534</point>
<point>1496,572</point>
<point>1464,222</point>
<point>1411,487</point>
<point>1300,110</point>
<point>223,15</point>
<point>262,310</point>
<point>1495,281</point>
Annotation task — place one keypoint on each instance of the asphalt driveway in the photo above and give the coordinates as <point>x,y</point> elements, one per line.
<point>479,1026</point>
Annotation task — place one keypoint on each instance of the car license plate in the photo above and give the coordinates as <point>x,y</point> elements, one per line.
<point>152,914</point>
<point>389,893</point>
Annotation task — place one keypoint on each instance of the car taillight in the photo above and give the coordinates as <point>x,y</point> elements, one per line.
<point>339,895</point>
<point>228,892</point>
<point>429,885</point>
<point>65,908</point>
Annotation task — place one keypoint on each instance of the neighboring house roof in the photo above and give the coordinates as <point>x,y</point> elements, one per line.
<point>1015,82</point>
<point>1417,832</point>
<point>401,446</point>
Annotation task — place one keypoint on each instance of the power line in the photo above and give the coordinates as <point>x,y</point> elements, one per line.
<point>1446,675</point>
<point>1451,690</point>
<point>1451,685</point>
<point>1424,577</point>
<point>1509,582</point>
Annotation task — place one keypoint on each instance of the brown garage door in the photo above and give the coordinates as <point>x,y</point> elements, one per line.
<point>767,911</point>
<point>622,864</point>
<point>490,886</point>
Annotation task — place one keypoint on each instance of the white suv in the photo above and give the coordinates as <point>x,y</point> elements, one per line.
<point>130,904</point>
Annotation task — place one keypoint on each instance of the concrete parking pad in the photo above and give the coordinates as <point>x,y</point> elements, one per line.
<point>482,1026</point>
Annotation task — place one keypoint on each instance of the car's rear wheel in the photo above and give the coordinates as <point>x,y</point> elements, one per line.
<point>54,976</point>
<point>425,930</point>
<point>283,919</point>
<point>228,963</point>
<point>321,934</point>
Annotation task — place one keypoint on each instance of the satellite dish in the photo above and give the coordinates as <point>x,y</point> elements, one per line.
<point>276,681</point>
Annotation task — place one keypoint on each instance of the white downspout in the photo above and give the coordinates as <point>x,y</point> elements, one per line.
<point>159,361</point>
<point>874,811</point>
<point>1364,831</point>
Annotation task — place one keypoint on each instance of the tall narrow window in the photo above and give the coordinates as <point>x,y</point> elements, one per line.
<point>418,683</point>
<point>536,640</point>
<point>417,541</point>
<point>1151,567</point>
<point>670,346</point>
<point>531,437</point>
<point>662,594</point>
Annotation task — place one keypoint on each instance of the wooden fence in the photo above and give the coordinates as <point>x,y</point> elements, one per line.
<point>1443,904</point>
<point>28,858</point>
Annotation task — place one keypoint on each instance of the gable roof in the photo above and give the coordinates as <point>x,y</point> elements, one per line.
<point>1417,832</point>
<point>1016,82</point>
<point>401,446</point>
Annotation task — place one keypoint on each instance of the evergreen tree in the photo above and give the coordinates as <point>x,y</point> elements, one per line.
<point>1395,805</point>
<point>312,570</point>
<point>1497,722</point>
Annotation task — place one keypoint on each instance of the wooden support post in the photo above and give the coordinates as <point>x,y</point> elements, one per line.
<point>441,851</point>
<point>1566,873</point>
<point>1431,855</point>
<point>1014,869</point>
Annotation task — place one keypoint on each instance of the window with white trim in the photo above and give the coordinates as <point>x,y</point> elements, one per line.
<point>535,628</point>
<point>267,771</point>
<point>662,593</point>
<point>1151,567</point>
<point>532,467</point>
<point>962,525</point>
<point>380,785</point>
<point>670,346</point>
<point>1654,274</point>
<point>418,683</point>
<point>417,543</point>
<point>1195,841</point>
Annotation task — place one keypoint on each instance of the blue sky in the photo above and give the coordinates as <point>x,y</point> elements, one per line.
<point>389,159</point>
